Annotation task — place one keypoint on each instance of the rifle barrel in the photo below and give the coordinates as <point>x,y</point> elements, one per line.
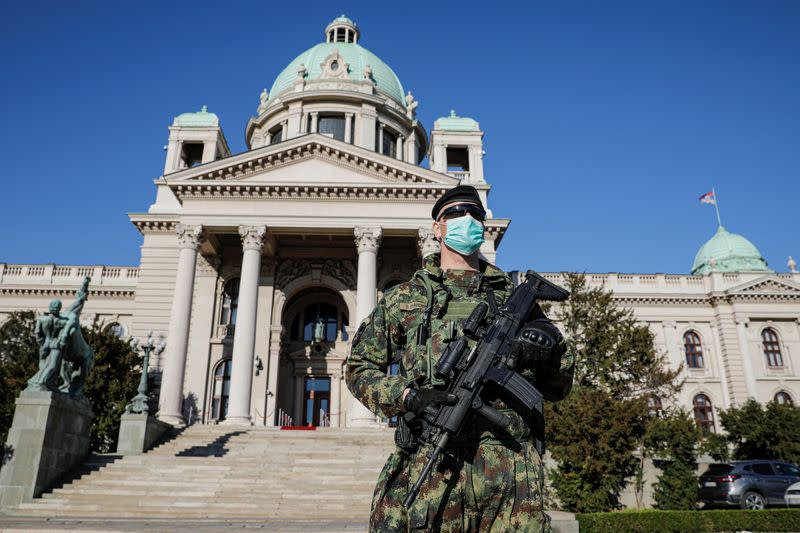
<point>412,495</point>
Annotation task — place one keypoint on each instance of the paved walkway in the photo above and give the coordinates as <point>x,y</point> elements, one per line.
<point>15,524</point>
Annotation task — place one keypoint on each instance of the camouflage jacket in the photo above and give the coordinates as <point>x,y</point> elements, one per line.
<point>389,335</point>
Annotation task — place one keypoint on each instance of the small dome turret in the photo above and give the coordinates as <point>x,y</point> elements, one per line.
<point>201,119</point>
<point>728,252</point>
<point>453,122</point>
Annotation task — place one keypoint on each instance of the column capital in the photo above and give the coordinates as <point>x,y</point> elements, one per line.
<point>349,115</point>
<point>252,237</point>
<point>189,236</point>
<point>368,239</point>
<point>426,242</point>
<point>313,113</point>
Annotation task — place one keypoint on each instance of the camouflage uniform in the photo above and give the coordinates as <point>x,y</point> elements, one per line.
<point>488,479</point>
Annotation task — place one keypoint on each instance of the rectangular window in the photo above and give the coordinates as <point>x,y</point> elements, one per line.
<point>389,143</point>
<point>331,125</point>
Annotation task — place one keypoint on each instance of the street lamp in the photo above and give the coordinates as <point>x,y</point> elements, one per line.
<point>139,403</point>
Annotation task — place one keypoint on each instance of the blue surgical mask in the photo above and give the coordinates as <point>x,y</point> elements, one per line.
<point>464,235</point>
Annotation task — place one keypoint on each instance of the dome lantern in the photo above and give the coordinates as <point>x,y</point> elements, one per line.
<point>342,30</point>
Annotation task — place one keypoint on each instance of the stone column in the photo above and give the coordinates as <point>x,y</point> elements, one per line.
<point>426,242</point>
<point>348,127</point>
<point>398,151</point>
<point>335,404</point>
<point>411,148</point>
<point>209,151</point>
<point>245,334</point>
<point>171,396</point>
<point>368,241</point>
<point>284,130</point>
<point>380,138</point>
<point>314,122</point>
<point>273,368</point>
<point>267,138</point>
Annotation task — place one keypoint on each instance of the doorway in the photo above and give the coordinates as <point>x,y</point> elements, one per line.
<point>317,401</point>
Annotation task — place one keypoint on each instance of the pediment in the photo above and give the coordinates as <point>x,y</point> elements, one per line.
<point>767,286</point>
<point>314,160</point>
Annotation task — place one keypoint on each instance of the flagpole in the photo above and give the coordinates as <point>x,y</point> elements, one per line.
<point>716,206</point>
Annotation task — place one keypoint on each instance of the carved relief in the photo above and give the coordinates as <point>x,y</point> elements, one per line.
<point>334,66</point>
<point>769,287</point>
<point>291,269</point>
<point>427,242</point>
<point>267,266</point>
<point>341,270</point>
<point>189,236</point>
<point>252,237</point>
<point>367,239</point>
<point>208,265</point>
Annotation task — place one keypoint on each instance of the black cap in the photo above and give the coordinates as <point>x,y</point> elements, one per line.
<point>462,193</point>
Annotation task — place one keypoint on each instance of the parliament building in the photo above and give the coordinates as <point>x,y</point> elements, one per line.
<point>257,267</point>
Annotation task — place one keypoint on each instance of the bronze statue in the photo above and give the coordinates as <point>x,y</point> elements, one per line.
<point>62,348</point>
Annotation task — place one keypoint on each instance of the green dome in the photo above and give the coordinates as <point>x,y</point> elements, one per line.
<point>201,119</point>
<point>355,55</point>
<point>455,123</point>
<point>728,252</point>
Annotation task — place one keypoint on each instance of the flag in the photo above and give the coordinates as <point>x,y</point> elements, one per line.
<point>708,198</point>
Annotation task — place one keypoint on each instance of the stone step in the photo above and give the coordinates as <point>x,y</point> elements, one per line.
<point>218,472</point>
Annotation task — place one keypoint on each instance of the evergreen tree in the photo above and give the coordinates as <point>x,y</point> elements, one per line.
<point>595,431</point>
<point>112,383</point>
<point>19,360</point>
<point>755,431</point>
<point>674,440</point>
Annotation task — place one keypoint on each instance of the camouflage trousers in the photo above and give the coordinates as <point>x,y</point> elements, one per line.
<point>488,488</point>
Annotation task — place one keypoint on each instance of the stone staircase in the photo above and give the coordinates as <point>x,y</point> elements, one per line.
<point>224,472</point>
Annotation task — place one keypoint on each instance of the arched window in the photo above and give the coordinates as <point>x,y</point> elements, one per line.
<point>693,349</point>
<point>772,347</point>
<point>320,318</point>
<point>116,329</point>
<point>703,413</point>
<point>221,391</point>
<point>783,398</point>
<point>654,407</point>
<point>230,302</point>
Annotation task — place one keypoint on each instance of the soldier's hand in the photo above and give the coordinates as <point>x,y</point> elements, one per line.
<point>420,401</point>
<point>539,341</point>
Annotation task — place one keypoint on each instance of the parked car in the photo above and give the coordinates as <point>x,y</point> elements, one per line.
<point>746,484</point>
<point>792,496</point>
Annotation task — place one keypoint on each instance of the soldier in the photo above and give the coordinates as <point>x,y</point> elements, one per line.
<point>488,479</point>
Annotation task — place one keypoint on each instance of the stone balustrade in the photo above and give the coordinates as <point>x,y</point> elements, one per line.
<point>666,284</point>
<point>63,275</point>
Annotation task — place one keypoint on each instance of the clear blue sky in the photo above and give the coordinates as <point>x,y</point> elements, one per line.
<point>604,121</point>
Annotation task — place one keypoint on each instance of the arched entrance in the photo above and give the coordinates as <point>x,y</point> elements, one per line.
<point>315,321</point>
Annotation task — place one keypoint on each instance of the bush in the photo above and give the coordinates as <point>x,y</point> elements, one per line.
<point>690,521</point>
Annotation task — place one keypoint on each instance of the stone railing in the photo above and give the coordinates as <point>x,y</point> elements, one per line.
<point>668,283</point>
<point>460,175</point>
<point>62,275</point>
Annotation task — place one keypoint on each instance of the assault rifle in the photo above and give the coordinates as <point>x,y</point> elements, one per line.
<point>489,363</point>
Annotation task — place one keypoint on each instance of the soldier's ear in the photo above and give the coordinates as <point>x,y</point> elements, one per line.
<point>437,230</point>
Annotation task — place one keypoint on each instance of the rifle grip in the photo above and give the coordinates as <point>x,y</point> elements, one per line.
<point>494,416</point>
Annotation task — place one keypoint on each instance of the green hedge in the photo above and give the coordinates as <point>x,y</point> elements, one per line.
<point>652,521</point>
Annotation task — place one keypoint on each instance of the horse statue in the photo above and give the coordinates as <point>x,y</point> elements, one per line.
<point>62,348</point>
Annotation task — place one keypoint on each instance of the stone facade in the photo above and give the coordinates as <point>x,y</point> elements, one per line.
<point>258,267</point>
